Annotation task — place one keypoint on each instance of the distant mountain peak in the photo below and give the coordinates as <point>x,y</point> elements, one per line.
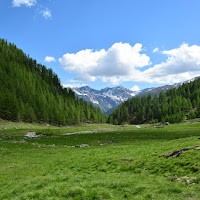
<point>106,98</point>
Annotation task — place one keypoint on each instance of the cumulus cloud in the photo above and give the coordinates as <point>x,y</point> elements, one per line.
<point>121,59</point>
<point>46,13</point>
<point>28,3</point>
<point>182,62</point>
<point>49,59</point>
<point>155,50</point>
<point>123,62</point>
<point>83,61</point>
<point>135,88</point>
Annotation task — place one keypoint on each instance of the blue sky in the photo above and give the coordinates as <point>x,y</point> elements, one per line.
<point>104,43</point>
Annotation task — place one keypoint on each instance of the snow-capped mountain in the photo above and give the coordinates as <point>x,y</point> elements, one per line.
<point>109,98</point>
<point>106,98</point>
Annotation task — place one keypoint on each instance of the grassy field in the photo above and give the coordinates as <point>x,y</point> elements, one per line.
<point>118,162</point>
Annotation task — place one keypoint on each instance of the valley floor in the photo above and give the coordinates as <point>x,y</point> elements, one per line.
<point>115,162</point>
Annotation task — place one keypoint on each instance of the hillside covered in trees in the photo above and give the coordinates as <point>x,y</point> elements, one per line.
<point>31,92</point>
<point>173,106</point>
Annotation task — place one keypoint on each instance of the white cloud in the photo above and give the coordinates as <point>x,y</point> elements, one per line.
<point>75,85</point>
<point>135,88</point>
<point>123,62</point>
<point>46,13</point>
<point>121,59</point>
<point>155,50</point>
<point>182,63</point>
<point>49,59</point>
<point>28,3</point>
<point>83,61</point>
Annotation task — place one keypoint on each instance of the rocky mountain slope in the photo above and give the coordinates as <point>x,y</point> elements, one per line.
<point>106,98</point>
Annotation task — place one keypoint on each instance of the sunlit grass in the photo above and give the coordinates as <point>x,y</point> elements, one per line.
<point>121,164</point>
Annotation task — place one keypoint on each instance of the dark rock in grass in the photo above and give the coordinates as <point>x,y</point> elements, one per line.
<point>35,144</point>
<point>82,145</point>
<point>101,143</point>
<point>175,178</point>
<point>14,141</point>
<point>176,154</point>
<point>185,179</point>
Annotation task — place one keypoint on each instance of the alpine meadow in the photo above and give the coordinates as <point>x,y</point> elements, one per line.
<point>99,100</point>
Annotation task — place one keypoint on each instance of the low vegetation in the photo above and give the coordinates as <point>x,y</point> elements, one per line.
<point>115,162</point>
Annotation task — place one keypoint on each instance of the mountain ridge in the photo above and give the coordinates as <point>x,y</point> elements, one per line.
<point>109,98</point>
<point>106,98</point>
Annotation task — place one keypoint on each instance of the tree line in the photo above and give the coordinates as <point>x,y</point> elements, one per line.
<point>173,106</point>
<point>32,93</point>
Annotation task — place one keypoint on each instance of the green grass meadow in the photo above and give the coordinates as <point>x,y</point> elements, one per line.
<point>121,162</point>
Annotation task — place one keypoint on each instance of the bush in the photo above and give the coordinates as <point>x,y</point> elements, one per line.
<point>47,132</point>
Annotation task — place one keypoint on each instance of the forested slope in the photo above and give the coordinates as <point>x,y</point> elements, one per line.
<point>173,106</point>
<point>31,92</point>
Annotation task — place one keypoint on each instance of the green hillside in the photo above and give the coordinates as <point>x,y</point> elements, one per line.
<point>30,92</point>
<point>173,106</point>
